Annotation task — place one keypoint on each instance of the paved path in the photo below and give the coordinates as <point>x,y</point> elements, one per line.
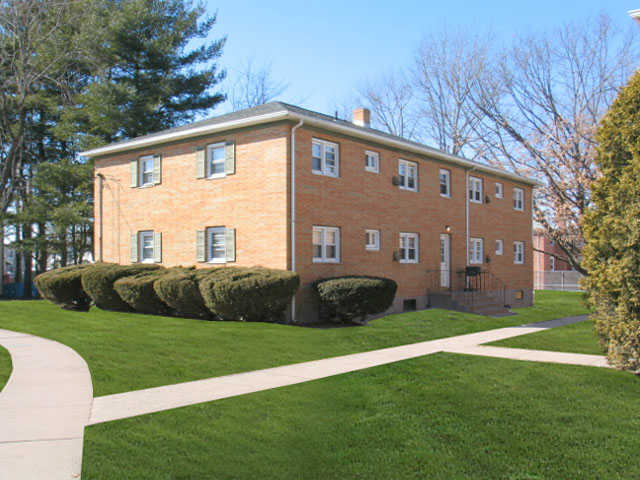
<point>44,408</point>
<point>140,402</point>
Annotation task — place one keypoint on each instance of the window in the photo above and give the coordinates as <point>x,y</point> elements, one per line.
<point>499,247</point>
<point>445,183</point>
<point>145,246</point>
<point>216,160</point>
<point>476,252</point>
<point>518,252</point>
<point>408,248</point>
<point>518,199</point>
<point>499,190</point>
<point>145,169</point>
<point>216,245</point>
<point>408,172</point>
<point>326,244</point>
<point>409,305</point>
<point>372,239</point>
<point>475,189</point>
<point>552,264</point>
<point>371,162</point>
<point>324,158</point>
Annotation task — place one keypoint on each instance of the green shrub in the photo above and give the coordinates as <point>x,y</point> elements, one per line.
<point>99,281</point>
<point>248,294</point>
<point>179,290</point>
<point>63,286</point>
<point>139,293</point>
<point>352,298</point>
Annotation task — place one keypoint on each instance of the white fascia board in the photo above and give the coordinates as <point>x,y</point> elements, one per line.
<point>635,14</point>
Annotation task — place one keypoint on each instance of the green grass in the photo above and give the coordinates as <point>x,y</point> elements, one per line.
<point>577,338</point>
<point>442,416</point>
<point>131,351</point>
<point>5,367</point>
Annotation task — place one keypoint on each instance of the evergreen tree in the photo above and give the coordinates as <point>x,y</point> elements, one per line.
<point>612,231</point>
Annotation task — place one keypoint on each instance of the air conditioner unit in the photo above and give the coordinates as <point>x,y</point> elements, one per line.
<point>395,180</point>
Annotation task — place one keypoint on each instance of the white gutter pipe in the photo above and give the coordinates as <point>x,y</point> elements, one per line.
<point>466,216</point>
<point>293,209</point>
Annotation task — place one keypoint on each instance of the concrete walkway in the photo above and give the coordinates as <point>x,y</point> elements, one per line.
<point>140,402</point>
<point>44,408</point>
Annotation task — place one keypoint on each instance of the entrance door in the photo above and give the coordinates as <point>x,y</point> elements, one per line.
<point>445,260</point>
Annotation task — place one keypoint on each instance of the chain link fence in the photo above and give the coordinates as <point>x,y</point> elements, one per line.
<point>567,281</point>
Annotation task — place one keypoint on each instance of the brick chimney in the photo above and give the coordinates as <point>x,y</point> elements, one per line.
<point>362,117</point>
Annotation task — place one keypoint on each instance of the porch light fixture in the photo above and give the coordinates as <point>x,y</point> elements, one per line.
<point>447,228</point>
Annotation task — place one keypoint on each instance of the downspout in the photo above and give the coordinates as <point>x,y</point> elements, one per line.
<point>100,203</point>
<point>466,217</point>
<point>293,210</point>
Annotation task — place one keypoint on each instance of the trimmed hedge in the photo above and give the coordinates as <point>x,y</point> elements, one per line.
<point>138,292</point>
<point>98,283</point>
<point>352,298</point>
<point>179,290</point>
<point>63,286</point>
<point>248,294</point>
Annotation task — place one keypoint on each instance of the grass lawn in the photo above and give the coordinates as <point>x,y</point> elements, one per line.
<point>5,367</point>
<point>127,351</point>
<point>442,416</point>
<point>576,338</point>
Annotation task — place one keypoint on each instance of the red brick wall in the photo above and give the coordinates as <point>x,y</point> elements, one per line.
<point>542,262</point>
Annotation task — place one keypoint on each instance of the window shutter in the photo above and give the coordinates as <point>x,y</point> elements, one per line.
<point>157,247</point>
<point>230,158</point>
<point>200,162</point>
<point>133,249</point>
<point>133,167</point>
<point>157,169</point>
<point>201,246</point>
<point>230,244</point>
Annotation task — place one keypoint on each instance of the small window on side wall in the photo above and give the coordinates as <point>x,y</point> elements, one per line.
<point>326,244</point>
<point>518,199</point>
<point>499,247</point>
<point>475,189</point>
<point>499,190</point>
<point>372,161</point>
<point>445,183</point>
<point>372,240</point>
<point>518,253</point>
<point>408,173</point>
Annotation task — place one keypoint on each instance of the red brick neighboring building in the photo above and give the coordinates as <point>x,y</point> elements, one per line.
<point>284,187</point>
<point>547,256</point>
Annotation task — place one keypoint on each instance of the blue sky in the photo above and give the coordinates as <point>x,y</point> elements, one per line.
<point>324,50</point>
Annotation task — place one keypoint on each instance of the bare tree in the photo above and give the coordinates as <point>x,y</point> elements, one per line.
<point>254,85</point>
<point>537,113</point>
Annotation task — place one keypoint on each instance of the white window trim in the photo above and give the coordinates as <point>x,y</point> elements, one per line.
<point>211,147</point>
<point>376,245</point>
<point>473,183</point>
<point>323,159</point>
<point>500,251</point>
<point>324,258</point>
<point>515,253</point>
<point>141,160</point>
<point>141,236</point>
<point>448,175</point>
<point>210,231</point>
<point>409,235</point>
<point>408,163</point>
<point>521,202</point>
<point>552,264</point>
<point>472,251</point>
<point>499,194</point>
<point>376,155</point>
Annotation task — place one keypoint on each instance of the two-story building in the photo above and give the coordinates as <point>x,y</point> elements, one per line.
<point>285,187</point>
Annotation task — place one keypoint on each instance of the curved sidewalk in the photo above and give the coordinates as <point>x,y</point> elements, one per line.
<point>44,408</point>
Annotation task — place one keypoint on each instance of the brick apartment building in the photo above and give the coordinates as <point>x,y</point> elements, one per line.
<point>547,256</point>
<point>284,187</point>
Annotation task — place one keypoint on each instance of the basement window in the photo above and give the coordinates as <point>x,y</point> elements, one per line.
<point>409,305</point>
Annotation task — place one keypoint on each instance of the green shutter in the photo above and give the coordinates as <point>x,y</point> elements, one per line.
<point>157,169</point>
<point>201,254</point>
<point>230,244</point>
<point>133,169</point>
<point>133,247</point>
<point>230,158</point>
<point>157,247</point>
<point>200,162</point>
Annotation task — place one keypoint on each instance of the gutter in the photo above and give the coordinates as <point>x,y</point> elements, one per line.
<point>293,209</point>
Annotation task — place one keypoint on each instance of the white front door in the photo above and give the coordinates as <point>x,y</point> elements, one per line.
<point>445,260</point>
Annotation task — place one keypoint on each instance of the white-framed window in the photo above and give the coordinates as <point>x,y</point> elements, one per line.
<point>475,189</point>
<point>408,173</point>
<point>216,245</point>
<point>445,183</point>
<point>499,247</point>
<point>552,264</point>
<point>324,158</point>
<point>216,158</point>
<point>518,199</point>
<point>499,190</point>
<point>371,161</point>
<point>326,244</point>
<point>518,252</point>
<point>145,246</point>
<point>372,239</point>
<point>145,170</point>
<point>409,247</point>
<point>476,250</point>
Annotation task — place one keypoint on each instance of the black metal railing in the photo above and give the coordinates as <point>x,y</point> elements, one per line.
<point>473,280</point>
